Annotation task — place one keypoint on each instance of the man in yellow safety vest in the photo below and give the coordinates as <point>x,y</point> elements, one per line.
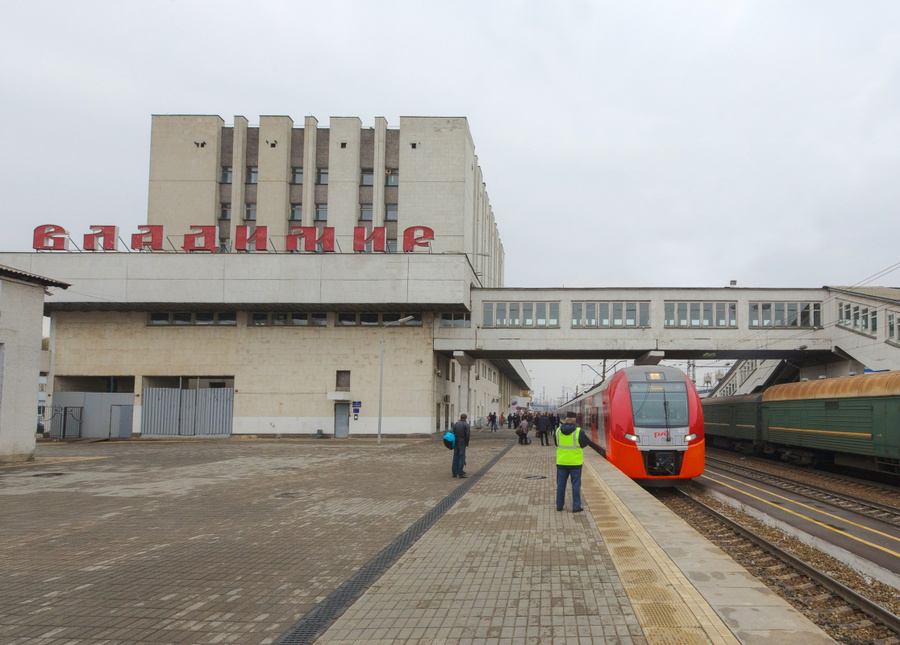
<point>570,444</point>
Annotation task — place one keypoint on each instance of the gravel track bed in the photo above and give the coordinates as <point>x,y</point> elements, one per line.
<point>830,612</point>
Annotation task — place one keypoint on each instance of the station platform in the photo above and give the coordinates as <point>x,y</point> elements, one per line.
<point>347,541</point>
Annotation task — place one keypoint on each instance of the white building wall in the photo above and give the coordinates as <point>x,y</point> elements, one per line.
<point>21,316</point>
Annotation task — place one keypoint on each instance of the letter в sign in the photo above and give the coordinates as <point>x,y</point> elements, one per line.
<point>50,237</point>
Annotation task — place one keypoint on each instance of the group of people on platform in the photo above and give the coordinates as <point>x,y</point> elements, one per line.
<point>569,439</point>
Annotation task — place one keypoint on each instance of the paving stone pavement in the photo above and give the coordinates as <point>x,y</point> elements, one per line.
<point>502,566</point>
<point>226,541</point>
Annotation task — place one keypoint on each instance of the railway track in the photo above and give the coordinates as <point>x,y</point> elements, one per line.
<point>842,610</point>
<point>884,512</point>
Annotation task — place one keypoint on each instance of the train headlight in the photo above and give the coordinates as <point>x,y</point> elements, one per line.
<point>632,437</point>
<point>690,437</point>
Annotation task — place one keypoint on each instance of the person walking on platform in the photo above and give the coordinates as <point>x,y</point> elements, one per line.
<point>570,444</point>
<point>462,432</point>
<point>543,428</point>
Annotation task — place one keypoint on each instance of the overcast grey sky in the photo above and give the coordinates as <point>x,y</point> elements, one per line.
<point>629,143</point>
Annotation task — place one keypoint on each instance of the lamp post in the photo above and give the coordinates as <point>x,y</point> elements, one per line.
<point>381,368</point>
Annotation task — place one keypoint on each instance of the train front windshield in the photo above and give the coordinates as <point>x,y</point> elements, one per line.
<point>659,404</point>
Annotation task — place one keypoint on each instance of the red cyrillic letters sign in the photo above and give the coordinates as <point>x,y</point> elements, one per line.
<point>109,235</point>
<point>411,240</point>
<point>257,238</point>
<point>377,238</point>
<point>150,237</point>
<point>198,233</point>
<point>50,237</point>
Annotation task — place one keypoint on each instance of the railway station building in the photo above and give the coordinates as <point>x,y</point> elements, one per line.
<point>288,282</point>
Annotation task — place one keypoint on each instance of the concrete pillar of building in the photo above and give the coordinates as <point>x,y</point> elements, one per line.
<point>344,178</point>
<point>465,363</point>
<point>310,136</point>
<point>273,191</point>
<point>238,172</point>
<point>378,171</point>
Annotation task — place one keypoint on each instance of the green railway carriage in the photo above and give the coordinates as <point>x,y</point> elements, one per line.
<point>733,422</point>
<point>851,421</point>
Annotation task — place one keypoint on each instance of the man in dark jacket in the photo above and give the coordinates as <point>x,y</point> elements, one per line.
<point>543,428</point>
<point>461,432</point>
<point>570,444</point>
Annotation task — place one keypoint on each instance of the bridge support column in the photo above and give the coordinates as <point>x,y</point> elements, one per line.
<point>465,362</point>
<point>650,358</point>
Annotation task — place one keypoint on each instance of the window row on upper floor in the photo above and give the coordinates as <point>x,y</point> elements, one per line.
<point>864,319</point>
<point>321,212</point>
<point>366,178</point>
<point>677,314</point>
<point>283,319</point>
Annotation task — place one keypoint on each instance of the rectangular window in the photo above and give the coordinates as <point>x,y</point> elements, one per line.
<point>369,320</point>
<point>226,318</point>
<point>322,176</point>
<point>321,212</point>
<point>644,314</point>
<point>204,318</point>
<point>346,320</point>
<point>670,314</point>
<point>892,326</point>
<point>250,213</point>
<point>299,320</point>
<point>226,175</point>
<point>765,314</point>
<point>754,314</point>
<point>446,320</point>
<point>342,381</point>
<point>157,318</point>
<point>707,314</point>
<point>296,212</point>
<point>856,316</point>
<point>252,174</point>
<point>514,314</point>
<point>225,212</point>
<point>779,317</point>
<point>501,314</point>
<point>553,316</point>
<point>793,314</point>
<point>720,314</point>
<point>318,320</point>
<point>576,314</point>
<point>280,318</point>
<point>527,314</point>
<point>367,177</point>
<point>540,314</point>
<point>365,212</point>
<point>390,212</point>
<point>873,320</point>
<point>258,319</point>
<point>630,314</point>
<point>590,314</point>
<point>695,314</point>
<point>392,177</point>
<point>682,314</point>
<point>865,319</point>
<point>488,315</point>
<point>732,314</point>
<point>297,176</point>
<point>617,314</point>
<point>390,245</point>
<point>603,314</point>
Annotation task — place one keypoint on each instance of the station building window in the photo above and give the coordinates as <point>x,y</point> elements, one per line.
<point>367,177</point>
<point>392,177</point>
<point>610,314</point>
<point>785,314</point>
<point>520,314</point>
<point>252,174</point>
<point>287,319</point>
<point>456,320</point>
<point>297,176</point>
<point>164,318</point>
<point>226,175</point>
<point>700,314</point>
<point>374,319</point>
<point>322,176</point>
<point>296,212</point>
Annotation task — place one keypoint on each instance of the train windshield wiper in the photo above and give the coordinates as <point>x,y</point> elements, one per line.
<point>666,412</point>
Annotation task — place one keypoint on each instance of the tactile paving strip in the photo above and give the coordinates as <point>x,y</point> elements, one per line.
<point>314,624</point>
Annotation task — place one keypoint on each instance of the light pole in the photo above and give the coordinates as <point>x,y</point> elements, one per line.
<point>381,368</point>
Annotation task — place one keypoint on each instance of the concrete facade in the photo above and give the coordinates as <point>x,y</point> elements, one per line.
<point>21,313</point>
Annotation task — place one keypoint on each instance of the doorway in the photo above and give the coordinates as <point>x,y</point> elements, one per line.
<point>341,420</point>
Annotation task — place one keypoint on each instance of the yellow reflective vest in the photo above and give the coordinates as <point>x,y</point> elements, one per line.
<point>568,452</point>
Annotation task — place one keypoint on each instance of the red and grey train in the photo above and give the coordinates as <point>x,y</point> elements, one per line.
<point>648,420</point>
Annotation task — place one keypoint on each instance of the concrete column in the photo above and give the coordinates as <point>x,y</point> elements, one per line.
<point>310,135</point>
<point>343,178</point>
<point>378,171</point>
<point>465,393</point>
<point>273,190</point>
<point>238,170</point>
